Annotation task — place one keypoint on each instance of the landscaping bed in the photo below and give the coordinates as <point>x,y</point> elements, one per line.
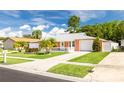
<point>14,60</point>
<point>70,70</point>
<point>37,56</point>
<point>93,58</point>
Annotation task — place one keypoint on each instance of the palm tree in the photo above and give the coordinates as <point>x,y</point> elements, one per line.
<point>37,34</point>
<point>47,45</point>
<point>20,45</point>
<point>73,24</point>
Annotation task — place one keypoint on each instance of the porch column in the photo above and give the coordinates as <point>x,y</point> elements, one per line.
<point>77,47</point>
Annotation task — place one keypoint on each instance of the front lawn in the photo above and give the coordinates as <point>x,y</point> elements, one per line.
<point>8,50</point>
<point>14,60</point>
<point>37,56</point>
<point>70,70</point>
<point>94,57</point>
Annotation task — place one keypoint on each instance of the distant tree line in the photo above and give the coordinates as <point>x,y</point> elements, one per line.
<point>113,30</point>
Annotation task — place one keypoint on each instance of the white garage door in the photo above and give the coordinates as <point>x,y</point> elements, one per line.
<point>106,46</point>
<point>86,45</point>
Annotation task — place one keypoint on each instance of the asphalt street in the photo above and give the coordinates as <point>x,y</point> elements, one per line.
<point>9,75</point>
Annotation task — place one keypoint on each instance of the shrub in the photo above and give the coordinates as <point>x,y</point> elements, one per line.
<point>32,50</point>
<point>97,45</point>
<point>122,49</point>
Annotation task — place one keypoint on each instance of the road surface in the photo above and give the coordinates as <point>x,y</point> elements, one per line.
<point>9,75</point>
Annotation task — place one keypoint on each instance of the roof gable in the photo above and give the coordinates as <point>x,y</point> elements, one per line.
<point>24,39</point>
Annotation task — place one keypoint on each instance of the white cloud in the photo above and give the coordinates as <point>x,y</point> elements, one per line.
<point>55,17</point>
<point>46,35</point>
<point>40,27</point>
<point>25,27</point>
<point>57,30</point>
<point>13,13</point>
<point>63,25</point>
<point>42,21</point>
<point>87,15</point>
<point>7,32</point>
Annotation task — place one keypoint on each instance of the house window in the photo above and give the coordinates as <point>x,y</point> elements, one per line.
<point>62,44</point>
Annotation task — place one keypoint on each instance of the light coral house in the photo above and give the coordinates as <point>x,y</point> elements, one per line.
<point>81,42</point>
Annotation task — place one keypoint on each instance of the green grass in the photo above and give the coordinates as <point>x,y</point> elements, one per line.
<point>94,57</point>
<point>14,60</point>
<point>0,50</point>
<point>37,56</point>
<point>70,70</point>
<point>8,50</point>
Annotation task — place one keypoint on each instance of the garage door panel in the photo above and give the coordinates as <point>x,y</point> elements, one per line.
<point>106,46</point>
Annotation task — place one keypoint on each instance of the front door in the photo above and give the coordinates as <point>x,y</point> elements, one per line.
<point>71,46</point>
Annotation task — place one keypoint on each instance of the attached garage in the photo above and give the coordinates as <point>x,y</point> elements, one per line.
<point>86,45</point>
<point>107,46</point>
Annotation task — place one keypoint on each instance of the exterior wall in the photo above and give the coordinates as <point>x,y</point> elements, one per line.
<point>86,45</point>
<point>122,42</point>
<point>77,45</point>
<point>8,44</point>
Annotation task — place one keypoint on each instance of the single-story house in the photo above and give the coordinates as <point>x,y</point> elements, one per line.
<point>122,43</point>
<point>81,42</point>
<point>9,43</point>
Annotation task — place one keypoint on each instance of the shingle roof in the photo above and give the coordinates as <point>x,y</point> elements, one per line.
<point>74,36</point>
<point>24,39</point>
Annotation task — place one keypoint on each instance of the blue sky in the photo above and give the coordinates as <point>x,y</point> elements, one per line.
<point>14,23</point>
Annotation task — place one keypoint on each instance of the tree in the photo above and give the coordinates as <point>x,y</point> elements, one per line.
<point>73,24</point>
<point>97,45</point>
<point>27,36</point>
<point>113,30</point>
<point>47,45</point>
<point>51,43</point>
<point>20,45</point>
<point>37,34</point>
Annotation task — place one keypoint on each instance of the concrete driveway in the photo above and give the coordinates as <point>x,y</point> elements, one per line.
<point>111,69</point>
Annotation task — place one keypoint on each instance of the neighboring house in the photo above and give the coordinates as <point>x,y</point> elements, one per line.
<point>9,43</point>
<point>1,44</point>
<point>81,42</point>
<point>122,43</point>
